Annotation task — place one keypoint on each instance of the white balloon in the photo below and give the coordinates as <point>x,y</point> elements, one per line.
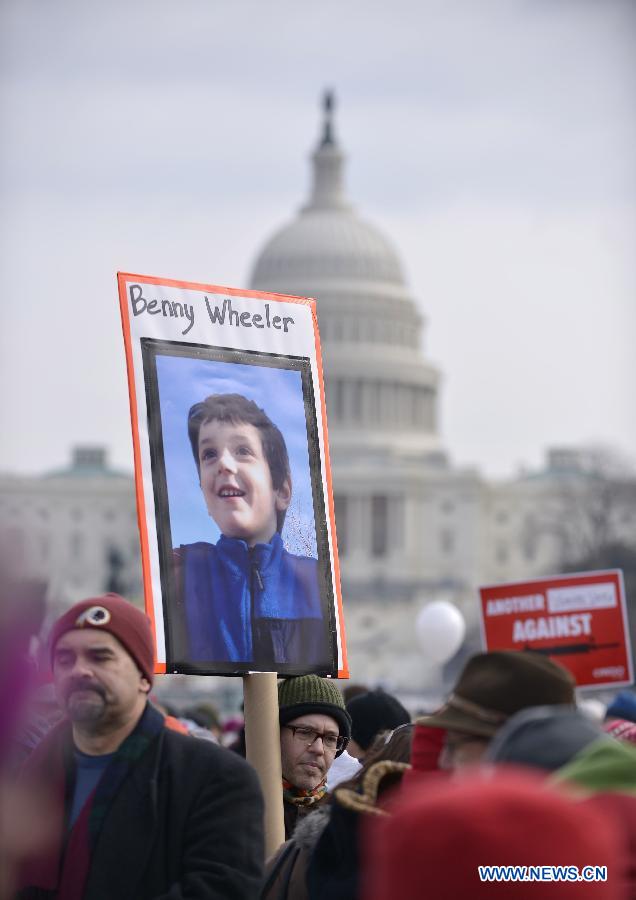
<point>440,628</point>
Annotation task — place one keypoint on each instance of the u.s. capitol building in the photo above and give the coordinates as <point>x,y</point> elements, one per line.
<point>411,526</point>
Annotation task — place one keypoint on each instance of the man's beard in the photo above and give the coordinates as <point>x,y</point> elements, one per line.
<point>86,702</point>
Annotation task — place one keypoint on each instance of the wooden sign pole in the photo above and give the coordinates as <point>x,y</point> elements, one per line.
<point>262,740</point>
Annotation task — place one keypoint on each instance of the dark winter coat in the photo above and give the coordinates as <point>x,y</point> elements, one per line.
<point>322,859</point>
<point>186,823</point>
<point>286,872</point>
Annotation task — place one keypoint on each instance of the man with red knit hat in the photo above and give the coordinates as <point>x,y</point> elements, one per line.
<point>143,812</point>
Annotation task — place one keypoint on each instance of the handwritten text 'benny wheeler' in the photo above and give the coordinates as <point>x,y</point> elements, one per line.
<point>219,315</point>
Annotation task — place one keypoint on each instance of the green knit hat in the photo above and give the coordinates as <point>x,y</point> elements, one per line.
<point>309,694</point>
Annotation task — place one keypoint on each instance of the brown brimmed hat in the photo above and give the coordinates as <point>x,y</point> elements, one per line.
<point>495,685</point>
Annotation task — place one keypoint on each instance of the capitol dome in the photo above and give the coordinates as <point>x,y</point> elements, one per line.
<point>328,242</point>
<point>381,391</point>
<point>377,382</point>
<point>327,239</point>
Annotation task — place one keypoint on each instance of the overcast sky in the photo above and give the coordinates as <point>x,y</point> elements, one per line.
<point>493,142</point>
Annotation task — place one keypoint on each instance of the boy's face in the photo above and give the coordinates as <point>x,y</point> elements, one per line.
<point>237,483</point>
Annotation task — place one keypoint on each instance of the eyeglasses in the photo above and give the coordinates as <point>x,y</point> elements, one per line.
<point>308,736</point>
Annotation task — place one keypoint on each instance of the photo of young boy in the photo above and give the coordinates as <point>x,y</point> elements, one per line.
<point>245,566</point>
<point>245,598</point>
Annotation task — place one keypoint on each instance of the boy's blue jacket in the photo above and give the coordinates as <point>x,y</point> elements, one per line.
<point>256,605</point>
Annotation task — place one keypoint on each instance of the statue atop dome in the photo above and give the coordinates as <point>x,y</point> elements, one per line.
<point>328,163</point>
<point>328,106</point>
<point>328,240</point>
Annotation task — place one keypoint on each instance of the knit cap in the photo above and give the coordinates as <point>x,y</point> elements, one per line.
<point>623,706</point>
<point>546,737</point>
<point>372,713</point>
<point>309,694</point>
<point>118,617</point>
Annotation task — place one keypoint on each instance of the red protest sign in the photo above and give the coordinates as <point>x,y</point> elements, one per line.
<point>579,620</point>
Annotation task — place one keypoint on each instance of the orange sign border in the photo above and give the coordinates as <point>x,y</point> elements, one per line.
<point>122,278</point>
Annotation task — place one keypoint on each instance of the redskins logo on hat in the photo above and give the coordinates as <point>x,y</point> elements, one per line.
<point>94,615</point>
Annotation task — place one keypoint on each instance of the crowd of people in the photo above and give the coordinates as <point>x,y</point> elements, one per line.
<point>105,795</point>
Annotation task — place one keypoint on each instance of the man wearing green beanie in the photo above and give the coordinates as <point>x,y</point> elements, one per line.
<point>315,728</point>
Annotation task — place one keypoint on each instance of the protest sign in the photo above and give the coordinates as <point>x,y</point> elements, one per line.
<point>579,620</point>
<point>232,476</point>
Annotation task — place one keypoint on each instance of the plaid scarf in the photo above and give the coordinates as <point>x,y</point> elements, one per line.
<point>65,869</point>
<point>301,797</point>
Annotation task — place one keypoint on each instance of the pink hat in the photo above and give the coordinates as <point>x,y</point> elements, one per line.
<point>441,831</point>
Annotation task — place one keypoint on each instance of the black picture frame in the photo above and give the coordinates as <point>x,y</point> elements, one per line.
<point>177,655</point>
